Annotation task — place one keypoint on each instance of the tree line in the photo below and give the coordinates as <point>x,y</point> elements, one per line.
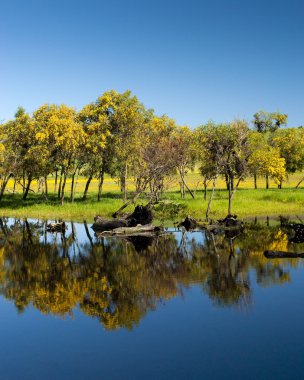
<point>117,135</point>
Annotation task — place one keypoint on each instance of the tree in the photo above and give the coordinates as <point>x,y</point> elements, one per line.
<point>210,155</point>
<point>265,159</point>
<point>234,140</point>
<point>95,122</point>
<point>290,143</point>
<point>62,134</point>
<point>226,148</point>
<point>184,148</point>
<point>269,121</point>
<point>128,119</point>
<point>8,160</point>
<point>112,125</point>
<point>156,159</point>
<point>23,147</point>
<point>208,172</point>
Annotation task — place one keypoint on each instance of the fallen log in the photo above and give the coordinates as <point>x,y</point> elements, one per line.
<point>282,255</point>
<point>106,225</point>
<point>141,215</point>
<point>138,230</point>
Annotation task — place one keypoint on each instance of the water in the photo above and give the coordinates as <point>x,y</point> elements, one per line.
<point>181,306</point>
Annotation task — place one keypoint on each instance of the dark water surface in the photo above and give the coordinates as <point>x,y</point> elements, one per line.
<point>181,306</point>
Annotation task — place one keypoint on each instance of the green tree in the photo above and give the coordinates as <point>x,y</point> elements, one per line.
<point>226,148</point>
<point>62,134</point>
<point>290,143</point>
<point>24,149</point>
<point>112,125</point>
<point>185,154</point>
<point>268,121</point>
<point>265,160</point>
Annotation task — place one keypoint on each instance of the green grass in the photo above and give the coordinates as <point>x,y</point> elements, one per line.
<point>247,202</point>
<point>36,207</point>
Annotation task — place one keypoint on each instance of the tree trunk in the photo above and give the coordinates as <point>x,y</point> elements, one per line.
<point>181,190</point>
<point>100,183</point>
<point>3,186</point>
<point>40,185</point>
<point>267,181</point>
<point>27,188</point>
<point>229,203</point>
<point>76,182</point>
<point>300,182</point>
<point>139,230</point>
<point>255,181</point>
<point>227,182</point>
<point>23,182</point>
<point>230,197</point>
<point>182,184</point>
<point>56,178</point>
<point>211,197</point>
<point>231,194</point>
<point>14,188</point>
<point>84,197</point>
<point>205,189</point>
<point>62,189</point>
<point>46,188</point>
<point>72,186</point>
<point>123,183</point>
<point>60,182</point>
<point>182,175</point>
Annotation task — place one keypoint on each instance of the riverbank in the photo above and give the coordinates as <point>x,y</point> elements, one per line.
<point>246,203</point>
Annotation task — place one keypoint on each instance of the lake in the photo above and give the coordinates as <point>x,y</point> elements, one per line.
<point>183,305</point>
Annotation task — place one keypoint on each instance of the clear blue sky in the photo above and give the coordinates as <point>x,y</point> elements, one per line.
<point>193,60</point>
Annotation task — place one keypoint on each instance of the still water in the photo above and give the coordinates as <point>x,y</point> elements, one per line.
<point>188,305</point>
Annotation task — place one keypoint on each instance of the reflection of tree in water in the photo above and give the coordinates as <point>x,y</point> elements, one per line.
<point>226,278</point>
<point>119,280</point>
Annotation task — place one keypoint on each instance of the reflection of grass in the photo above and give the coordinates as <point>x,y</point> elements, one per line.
<point>247,201</point>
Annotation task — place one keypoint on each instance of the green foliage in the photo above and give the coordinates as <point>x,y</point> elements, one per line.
<point>268,121</point>
<point>265,159</point>
<point>117,136</point>
<point>169,209</point>
<point>290,143</point>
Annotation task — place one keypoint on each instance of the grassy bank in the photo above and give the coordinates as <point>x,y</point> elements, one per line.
<point>247,202</point>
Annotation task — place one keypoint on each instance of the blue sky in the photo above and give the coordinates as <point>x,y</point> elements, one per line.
<point>193,60</point>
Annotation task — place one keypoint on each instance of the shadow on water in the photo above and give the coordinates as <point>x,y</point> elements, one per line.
<point>119,280</point>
